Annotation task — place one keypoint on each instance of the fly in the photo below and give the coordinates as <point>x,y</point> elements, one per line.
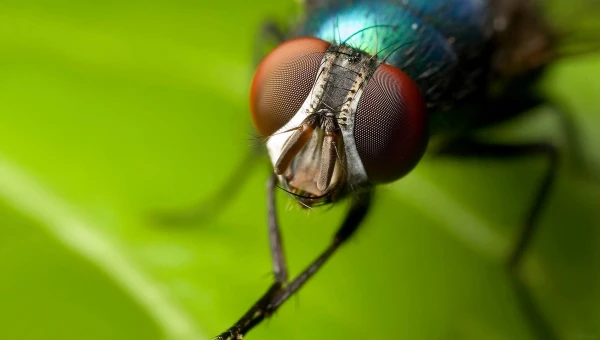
<point>352,98</point>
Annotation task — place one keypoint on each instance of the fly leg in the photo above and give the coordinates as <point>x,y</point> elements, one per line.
<point>247,321</point>
<point>281,290</point>
<point>268,37</point>
<point>470,148</point>
<point>218,200</point>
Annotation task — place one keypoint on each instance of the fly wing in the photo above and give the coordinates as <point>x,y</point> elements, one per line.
<point>531,33</point>
<point>524,39</point>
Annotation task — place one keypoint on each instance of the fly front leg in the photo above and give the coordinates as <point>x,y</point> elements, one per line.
<point>470,148</point>
<point>280,291</point>
<point>256,312</point>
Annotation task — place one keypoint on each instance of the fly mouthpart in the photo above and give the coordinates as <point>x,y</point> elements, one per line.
<point>308,200</point>
<point>294,144</point>
<point>309,156</point>
<point>328,158</point>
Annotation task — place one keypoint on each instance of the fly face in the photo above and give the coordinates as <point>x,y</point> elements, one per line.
<point>337,119</point>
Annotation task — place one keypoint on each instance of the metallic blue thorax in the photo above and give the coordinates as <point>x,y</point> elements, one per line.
<point>433,41</point>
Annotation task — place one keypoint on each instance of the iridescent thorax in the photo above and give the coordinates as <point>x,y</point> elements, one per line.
<point>432,41</point>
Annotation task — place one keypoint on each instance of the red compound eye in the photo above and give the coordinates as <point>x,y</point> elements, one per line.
<point>282,82</point>
<point>390,125</point>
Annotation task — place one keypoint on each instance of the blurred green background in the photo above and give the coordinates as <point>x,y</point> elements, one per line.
<point>112,111</point>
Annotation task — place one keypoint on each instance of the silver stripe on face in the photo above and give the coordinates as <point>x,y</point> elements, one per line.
<point>334,98</point>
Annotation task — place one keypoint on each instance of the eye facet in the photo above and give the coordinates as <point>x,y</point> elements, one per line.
<point>390,128</point>
<point>282,82</point>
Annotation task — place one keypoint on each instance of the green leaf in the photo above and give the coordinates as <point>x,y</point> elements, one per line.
<point>111,112</point>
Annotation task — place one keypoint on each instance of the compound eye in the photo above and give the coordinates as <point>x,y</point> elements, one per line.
<point>390,128</point>
<point>282,82</point>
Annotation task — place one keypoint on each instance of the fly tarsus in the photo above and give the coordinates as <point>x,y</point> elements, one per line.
<point>253,317</point>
